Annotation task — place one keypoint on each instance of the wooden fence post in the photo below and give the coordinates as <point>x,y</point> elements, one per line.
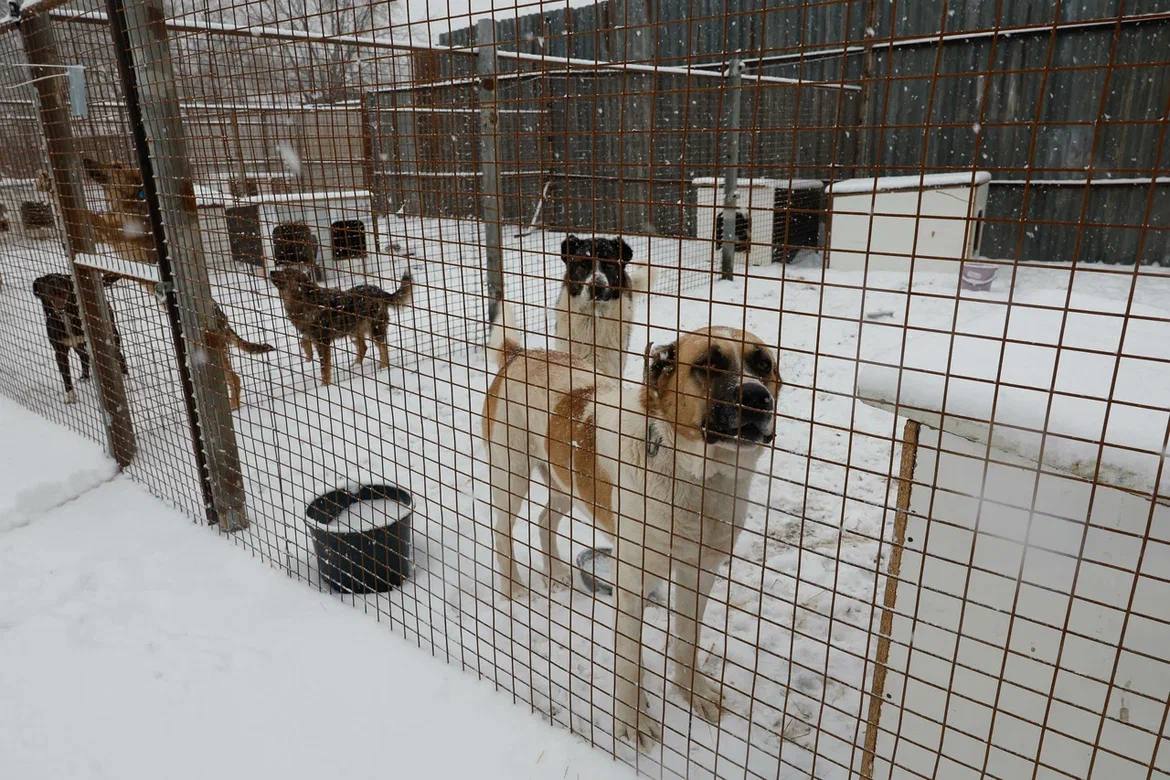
<point>489,128</point>
<point>152,102</point>
<point>893,578</point>
<point>49,77</point>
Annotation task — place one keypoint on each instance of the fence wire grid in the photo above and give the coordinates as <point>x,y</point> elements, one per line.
<point>902,513</point>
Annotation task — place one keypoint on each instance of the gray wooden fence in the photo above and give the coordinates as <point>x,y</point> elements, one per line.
<point>1062,103</point>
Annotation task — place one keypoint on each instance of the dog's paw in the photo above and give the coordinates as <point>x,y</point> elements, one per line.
<point>704,696</point>
<point>510,589</point>
<point>560,577</point>
<point>637,727</point>
<point>71,397</point>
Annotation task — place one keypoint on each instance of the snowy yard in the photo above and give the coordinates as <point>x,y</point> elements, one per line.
<point>796,604</point>
<point>137,645</point>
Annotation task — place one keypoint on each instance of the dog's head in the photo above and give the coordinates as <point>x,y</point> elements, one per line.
<point>289,280</point>
<point>718,385</point>
<point>122,185</point>
<point>596,267</point>
<point>54,290</point>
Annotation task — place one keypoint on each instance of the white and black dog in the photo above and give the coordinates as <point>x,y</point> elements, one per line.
<point>596,305</point>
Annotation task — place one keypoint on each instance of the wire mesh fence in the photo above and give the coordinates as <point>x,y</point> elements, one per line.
<point>821,427</point>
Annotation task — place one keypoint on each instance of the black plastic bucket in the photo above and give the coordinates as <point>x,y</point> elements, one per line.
<point>361,559</point>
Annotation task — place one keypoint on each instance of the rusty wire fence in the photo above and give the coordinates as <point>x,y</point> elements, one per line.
<point>938,548</point>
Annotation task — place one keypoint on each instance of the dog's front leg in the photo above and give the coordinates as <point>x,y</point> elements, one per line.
<point>326,353</point>
<point>692,590</point>
<point>61,353</point>
<point>631,720</point>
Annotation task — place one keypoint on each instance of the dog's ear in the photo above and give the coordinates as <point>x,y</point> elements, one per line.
<point>569,247</point>
<point>661,361</point>
<point>95,170</point>
<point>627,252</point>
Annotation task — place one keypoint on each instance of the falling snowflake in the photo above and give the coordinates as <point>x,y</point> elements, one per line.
<point>292,160</point>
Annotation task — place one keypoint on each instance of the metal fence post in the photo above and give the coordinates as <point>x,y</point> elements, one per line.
<point>489,127</point>
<point>41,48</point>
<point>731,177</point>
<point>152,102</point>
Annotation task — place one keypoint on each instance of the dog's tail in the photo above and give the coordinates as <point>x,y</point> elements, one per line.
<point>502,348</point>
<point>224,325</point>
<point>251,347</point>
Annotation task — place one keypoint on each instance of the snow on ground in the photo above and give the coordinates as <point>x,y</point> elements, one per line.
<point>796,602</point>
<point>43,465</point>
<point>137,645</point>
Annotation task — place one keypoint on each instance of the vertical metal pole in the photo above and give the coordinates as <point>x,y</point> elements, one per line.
<point>630,43</point>
<point>152,103</point>
<point>861,140</point>
<point>406,141</point>
<point>731,177</point>
<point>41,48</point>
<point>489,127</point>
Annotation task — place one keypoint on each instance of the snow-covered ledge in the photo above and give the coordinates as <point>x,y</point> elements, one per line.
<point>1008,376</point>
<point>115,264</point>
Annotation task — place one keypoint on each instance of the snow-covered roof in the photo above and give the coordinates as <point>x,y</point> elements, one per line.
<point>787,184</point>
<point>1007,390</point>
<point>928,181</point>
<point>304,197</point>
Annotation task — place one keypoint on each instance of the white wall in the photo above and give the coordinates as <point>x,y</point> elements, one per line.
<point>988,577</point>
<point>903,232</point>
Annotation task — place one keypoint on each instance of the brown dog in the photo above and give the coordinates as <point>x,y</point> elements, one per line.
<point>126,227</point>
<point>663,468</point>
<point>322,315</point>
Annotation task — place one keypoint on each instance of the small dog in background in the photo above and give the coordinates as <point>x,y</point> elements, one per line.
<point>126,226</point>
<point>322,315</point>
<point>63,325</point>
<point>595,307</point>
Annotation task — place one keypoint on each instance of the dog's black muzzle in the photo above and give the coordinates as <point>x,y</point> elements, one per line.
<point>745,416</point>
<point>603,291</point>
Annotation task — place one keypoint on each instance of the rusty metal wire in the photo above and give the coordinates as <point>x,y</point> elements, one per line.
<point>951,560</point>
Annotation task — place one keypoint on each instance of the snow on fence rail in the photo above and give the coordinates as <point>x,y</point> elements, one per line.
<point>943,551</point>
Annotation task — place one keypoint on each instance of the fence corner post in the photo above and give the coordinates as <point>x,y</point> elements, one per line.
<point>40,46</point>
<point>152,102</point>
<point>487,65</point>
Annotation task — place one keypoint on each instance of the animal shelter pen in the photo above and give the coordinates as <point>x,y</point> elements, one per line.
<point>947,227</point>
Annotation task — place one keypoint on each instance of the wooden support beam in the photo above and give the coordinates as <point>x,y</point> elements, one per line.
<point>152,103</point>
<point>41,48</point>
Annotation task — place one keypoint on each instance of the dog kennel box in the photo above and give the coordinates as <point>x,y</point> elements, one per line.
<point>930,223</point>
<point>332,227</point>
<point>26,205</point>
<point>773,219</point>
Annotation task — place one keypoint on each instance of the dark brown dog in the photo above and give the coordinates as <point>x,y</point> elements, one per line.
<point>126,227</point>
<point>63,326</point>
<point>322,315</point>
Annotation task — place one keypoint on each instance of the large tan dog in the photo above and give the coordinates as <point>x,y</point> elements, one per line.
<point>664,468</point>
